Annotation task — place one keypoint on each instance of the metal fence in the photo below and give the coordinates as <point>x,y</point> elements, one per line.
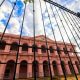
<point>61,22</point>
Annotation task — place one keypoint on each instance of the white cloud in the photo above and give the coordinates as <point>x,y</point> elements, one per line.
<point>5,9</point>
<point>75,5</point>
<point>28,23</point>
<point>1,27</point>
<point>15,26</point>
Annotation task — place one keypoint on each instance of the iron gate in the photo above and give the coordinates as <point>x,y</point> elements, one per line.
<point>62,25</point>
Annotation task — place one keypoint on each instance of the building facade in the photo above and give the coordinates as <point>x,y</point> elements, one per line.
<point>25,62</point>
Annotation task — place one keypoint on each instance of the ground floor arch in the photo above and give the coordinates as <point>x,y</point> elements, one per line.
<point>46,68</point>
<point>9,70</point>
<point>23,69</point>
<point>55,68</point>
<point>35,66</point>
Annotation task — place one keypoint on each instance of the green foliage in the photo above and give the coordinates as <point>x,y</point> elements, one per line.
<point>30,1</point>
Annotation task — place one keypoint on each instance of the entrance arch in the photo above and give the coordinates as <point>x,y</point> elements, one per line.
<point>9,70</point>
<point>35,65</point>
<point>55,68</point>
<point>23,70</point>
<point>46,68</point>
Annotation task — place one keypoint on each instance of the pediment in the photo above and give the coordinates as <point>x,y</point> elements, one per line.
<point>42,38</point>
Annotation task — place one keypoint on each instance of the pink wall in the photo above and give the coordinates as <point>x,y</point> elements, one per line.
<point>28,56</point>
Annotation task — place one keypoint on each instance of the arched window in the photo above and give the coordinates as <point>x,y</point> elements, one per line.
<point>78,67</point>
<point>34,48</point>
<point>71,50</point>
<point>9,71</point>
<point>51,49</point>
<point>23,70</point>
<point>35,66</point>
<point>55,68</point>
<point>65,50</point>
<point>43,49</point>
<point>2,45</point>
<point>14,46</point>
<point>70,67</point>
<point>46,69</point>
<point>24,47</point>
<point>63,67</point>
<point>0,63</point>
<point>58,50</point>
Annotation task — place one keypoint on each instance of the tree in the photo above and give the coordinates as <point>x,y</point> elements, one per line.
<point>25,1</point>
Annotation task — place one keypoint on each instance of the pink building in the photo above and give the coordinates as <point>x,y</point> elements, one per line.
<point>25,63</point>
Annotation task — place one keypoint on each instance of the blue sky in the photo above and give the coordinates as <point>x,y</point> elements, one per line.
<point>16,18</point>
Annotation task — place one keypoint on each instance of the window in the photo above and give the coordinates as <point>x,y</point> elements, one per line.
<point>24,47</point>
<point>65,50</point>
<point>58,50</point>
<point>14,46</point>
<point>71,50</point>
<point>51,49</point>
<point>34,48</point>
<point>43,49</point>
<point>2,45</point>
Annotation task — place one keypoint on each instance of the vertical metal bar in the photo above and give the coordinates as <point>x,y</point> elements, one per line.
<point>46,44</point>
<point>2,3</point>
<point>42,16</point>
<point>34,40</point>
<point>63,39</point>
<point>61,7</point>
<point>19,45</point>
<point>72,25</point>
<point>75,22</point>
<point>70,41</point>
<point>8,21</point>
<point>72,32</point>
<point>56,42</point>
<point>68,53</point>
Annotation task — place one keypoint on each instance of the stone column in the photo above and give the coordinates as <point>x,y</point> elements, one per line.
<point>41,72</point>
<point>67,69</point>
<point>2,70</point>
<point>7,48</point>
<point>52,71</point>
<point>39,50</point>
<point>20,49</point>
<point>29,70</point>
<point>30,49</point>
<point>75,68</point>
<point>60,69</point>
<point>17,71</point>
